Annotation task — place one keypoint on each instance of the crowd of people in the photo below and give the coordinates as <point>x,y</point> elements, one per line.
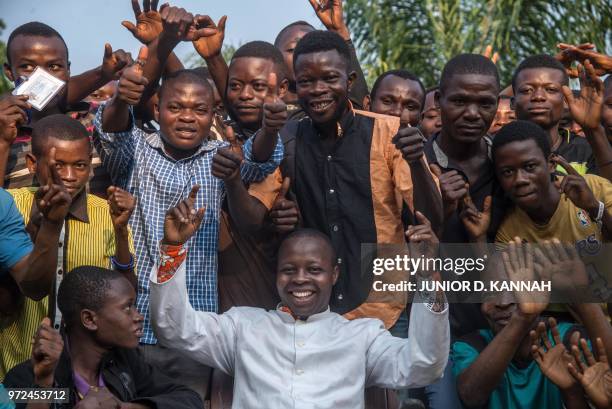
<point>190,238</point>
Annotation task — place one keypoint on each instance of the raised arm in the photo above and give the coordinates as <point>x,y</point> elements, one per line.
<point>12,115</point>
<point>207,337</point>
<point>80,86</point>
<point>35,273</point>
<point>209,47</point>
<point>476,383</point>
<point>586,111</point>
<point>121,205</point>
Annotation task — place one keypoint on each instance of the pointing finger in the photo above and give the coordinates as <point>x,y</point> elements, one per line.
<point>284,189</point>
<point>422,219</point>
<point>53,173</point>
<point>560,160</point>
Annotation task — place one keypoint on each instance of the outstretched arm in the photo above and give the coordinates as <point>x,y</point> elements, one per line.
<point>208,337</point>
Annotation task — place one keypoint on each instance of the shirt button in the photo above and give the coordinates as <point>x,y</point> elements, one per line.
<point>340,297</point>
<point>329,158</point>
<point>60,244</point>
<point>60,272</point>
<point>335,227</point>
<point>300,344</point>
<point>339,260</point>
<point>331,191</point>
<point>299,372</point>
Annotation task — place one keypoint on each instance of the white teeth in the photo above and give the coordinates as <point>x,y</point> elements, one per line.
<point>321,105</point>
<point>302,294</point>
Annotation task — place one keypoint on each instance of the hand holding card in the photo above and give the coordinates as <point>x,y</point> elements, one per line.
<point>41,87</point>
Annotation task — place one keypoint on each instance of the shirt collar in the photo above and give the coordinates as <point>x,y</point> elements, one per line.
<point>78,207</point>
<point>287,316</point>
<point>433,150</point>
<point>155,141</point>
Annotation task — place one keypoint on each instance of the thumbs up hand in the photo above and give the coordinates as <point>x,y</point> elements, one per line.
<point>274,109</point>
<point>133,82</point>
<point>284,213</point>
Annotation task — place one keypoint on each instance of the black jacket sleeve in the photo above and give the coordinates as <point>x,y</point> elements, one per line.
<point>159,391</point>
<point>360,88</point>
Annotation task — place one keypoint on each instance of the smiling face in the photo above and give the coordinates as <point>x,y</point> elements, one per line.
<point>538,97</point>
<point>49,53</point>
<point>323,84</point>
<point>185,113</point>
<point>524,174</point>
<point>399,97</point>
<point>467,106</point>
<point>118,323</point>
<point>305,275</point>
<point>73,163</point>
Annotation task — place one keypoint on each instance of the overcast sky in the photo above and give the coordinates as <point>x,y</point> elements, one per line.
<point>87,24</point>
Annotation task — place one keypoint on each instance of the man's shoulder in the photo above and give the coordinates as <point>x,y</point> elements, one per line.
<point>23,194</point>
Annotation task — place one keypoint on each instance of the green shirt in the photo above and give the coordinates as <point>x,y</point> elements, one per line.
<point>520,387</point>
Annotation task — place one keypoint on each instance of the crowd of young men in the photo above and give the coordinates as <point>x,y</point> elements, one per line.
<point>192,238</point>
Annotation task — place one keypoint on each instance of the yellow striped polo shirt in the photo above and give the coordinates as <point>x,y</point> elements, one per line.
<point>90,240</point>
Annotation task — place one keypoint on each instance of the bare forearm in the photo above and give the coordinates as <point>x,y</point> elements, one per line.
<point>477,382</point>
<point>159,52</point>
<point>602,151</point>
<point>173,64</point>
<point>263,145</point>
<point>36,278</point>
<point>217,67</point>
<point>596,324</point>
<point>116,116</point>
<point>245,210</point>
<point>80,86</point>
<point>123,254</point>
<point>427,198</point>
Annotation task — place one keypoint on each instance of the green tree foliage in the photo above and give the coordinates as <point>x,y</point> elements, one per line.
<point>5,84</point>
<point>421,35</point>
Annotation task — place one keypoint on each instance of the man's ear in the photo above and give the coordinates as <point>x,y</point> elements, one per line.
<point>335,274</point>
<point>31,163</point>
<point>89,319</point>
<point>283,87</point>
<point>366,103</point>
<point>8,72</point>
<point>351,79</point>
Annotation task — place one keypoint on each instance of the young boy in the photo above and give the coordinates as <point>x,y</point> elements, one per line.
<point>285,357</point>
<point>397,93</point>
<point>34,45</point>
<point>495,367</point>
<point>97,357</point>
<point>92,231</point>
<point>540,85</point>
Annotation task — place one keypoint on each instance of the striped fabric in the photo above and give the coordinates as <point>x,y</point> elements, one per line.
<point>138,163</point>
<point>15,339</point>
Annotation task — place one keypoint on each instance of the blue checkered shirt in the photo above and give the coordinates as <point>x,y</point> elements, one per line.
<point>137,163</point>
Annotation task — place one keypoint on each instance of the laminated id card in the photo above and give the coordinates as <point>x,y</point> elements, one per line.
<point>41,87</point>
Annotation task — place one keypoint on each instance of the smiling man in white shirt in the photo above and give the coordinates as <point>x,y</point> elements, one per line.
<point>300,355</point>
